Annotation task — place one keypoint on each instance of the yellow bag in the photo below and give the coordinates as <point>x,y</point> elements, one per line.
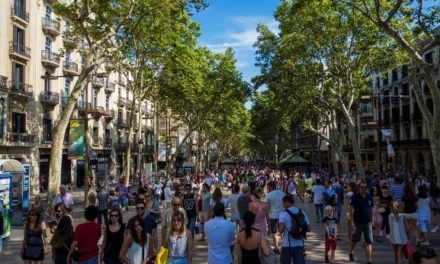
<point>162,256</point>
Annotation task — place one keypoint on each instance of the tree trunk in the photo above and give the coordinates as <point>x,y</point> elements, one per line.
<point>54,179</point>
<point>127,165</point>
<point>356,148</point>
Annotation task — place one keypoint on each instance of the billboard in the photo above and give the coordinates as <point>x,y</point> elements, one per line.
<point>76,140</point>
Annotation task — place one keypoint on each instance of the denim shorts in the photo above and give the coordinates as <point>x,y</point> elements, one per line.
<point>292,253</point>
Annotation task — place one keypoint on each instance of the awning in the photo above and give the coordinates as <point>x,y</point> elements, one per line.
<point>11,165</point>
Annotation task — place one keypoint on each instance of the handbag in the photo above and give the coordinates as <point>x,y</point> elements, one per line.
<point>162,254</point>
<point>269,259</point>
<point>407,250</point>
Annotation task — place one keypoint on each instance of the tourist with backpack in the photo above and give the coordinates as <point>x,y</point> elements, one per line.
<point>293,224</point>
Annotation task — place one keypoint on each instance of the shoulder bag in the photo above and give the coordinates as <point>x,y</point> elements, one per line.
<point>269,259</point>
<point>162,254</point>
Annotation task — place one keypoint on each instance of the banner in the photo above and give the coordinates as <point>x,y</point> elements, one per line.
<point>387,133</point>
<point>76,140</point>
<point>390,150</point>
<point>25,192</point>
<point>162,151</point>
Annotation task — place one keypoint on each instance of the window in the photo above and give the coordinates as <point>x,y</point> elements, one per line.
<point>18,123</point>
<point>48,44</point>
<point>18,36</point>
<point>95,135</point>
<point>95,98</point>
<point>20,5</point>
<point>47,129</point>
<point>419,132</point>
<point>17,73</point>
<point>428,57</point>
<point>107,102</point>
<point>67,86</point>
<point>394,75</point>
<point>68,56</point>
<point>2,113</point>
<point>81,96</point>
<point>48,12</point>
<point>47,82</point>
<point>404,71</point>
<point>67,26</point>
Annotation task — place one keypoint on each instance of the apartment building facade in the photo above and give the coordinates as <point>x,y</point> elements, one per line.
<point>393,106</point>
<point>39,65</point>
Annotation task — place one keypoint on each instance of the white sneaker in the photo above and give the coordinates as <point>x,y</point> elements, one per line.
<point>381,233</point>
<point>388,236</point>
<point>435,229</point>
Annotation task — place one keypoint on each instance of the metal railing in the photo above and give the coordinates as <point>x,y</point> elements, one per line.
<point>48,55</point>
<point>96,81</point>
<point>51,24</point>
<point>21,88</point>
<point>70,66</point>
<point>20,49</point>
<point>3,82</point>
<point>50,97</point>
<point>21,137</point>
<point>109,87</point>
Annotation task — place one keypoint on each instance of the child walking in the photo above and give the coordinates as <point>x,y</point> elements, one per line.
<point>399,230</point>
<point>423,215</point>
<point>331,232</point>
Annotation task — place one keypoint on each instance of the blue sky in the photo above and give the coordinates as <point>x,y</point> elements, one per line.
<point>232,23</point>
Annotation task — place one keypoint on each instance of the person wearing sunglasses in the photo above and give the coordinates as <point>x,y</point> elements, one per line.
<point>361,213</point>
<point>179,241</point>
<point>150,226</point>
<point>113,238</point>
<point>176,206</point>
<point>34,243</point>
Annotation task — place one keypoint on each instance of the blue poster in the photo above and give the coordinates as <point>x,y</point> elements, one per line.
<point>25,192</point>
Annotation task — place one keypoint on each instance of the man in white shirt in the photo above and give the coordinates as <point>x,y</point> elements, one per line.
<point>220,233</point>
<point>65,198</point>
<point>318,191</point>
<point>274,199</point>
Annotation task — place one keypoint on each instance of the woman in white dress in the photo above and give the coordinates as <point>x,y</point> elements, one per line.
<point>399,231</point>
<point>136,248</point>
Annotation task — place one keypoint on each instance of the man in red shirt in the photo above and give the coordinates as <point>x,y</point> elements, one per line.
<point>86,238</point>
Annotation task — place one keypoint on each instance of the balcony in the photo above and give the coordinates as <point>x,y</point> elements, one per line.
<point>121,123</point>
<point>98,82</point>
<point>20,90</point>
<point>121,146</point>
<point>83,46</point>
<point>3,83</point>
<point>69,40</point>
<point>82,106</point>
<point>49,99</point>
<point>19,15</point>
<point>121,102</point>
<point>19,51</point>
<point>70,68</point>
<point>148,129</point>
<point>96,111</point>
<point>21,139</point>
<point>50,59</point>
<point>109,87</point>
<point>109,115</point>
<point>101,72</point>
<point>51,26</point>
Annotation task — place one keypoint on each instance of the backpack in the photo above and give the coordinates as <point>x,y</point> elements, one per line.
<point>330,200</point>
<point>299,227</point>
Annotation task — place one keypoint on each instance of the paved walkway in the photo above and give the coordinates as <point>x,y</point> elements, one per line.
<point>382,252</point>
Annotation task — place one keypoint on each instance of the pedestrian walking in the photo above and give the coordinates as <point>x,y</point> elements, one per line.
<point>113,238</point>
<point>318,191</point>
<point>274,199</point>
<point>168,213</point>
<point>38,205</point>
<point>136,247</point>
<point>434,193</point>
<point>65,198</point>
<point>385,210</point>
<point>409,208</point>
<point>122,195</point>
<point>34,243</point>
<point>86,238</point>
<point>243,203</point>
<point>233,199</point>
<point>423,215</point>
<point>249,241</point>
<point>62,240</point>
<point>103,202</point>
<point>220,233</point>
<point>179,241</point>
<point>292,247</point>
<point>399,231</point>
<point>331,234</point>
<point>205,212</point>
<point>361,212</point>
<point>260,209</point>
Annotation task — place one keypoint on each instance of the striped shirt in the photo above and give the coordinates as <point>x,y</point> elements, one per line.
<point>397,191</point>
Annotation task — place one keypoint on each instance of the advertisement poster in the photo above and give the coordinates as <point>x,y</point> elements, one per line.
<point>5,198</point>
<point>76,140</point>
<point>25,203</point>
<point>162,150</point>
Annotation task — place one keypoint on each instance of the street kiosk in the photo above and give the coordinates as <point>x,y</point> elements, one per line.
<point>6,202</point>
<point>20,191</point>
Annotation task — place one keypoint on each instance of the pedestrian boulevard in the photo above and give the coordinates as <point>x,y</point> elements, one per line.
<point>382,252</point>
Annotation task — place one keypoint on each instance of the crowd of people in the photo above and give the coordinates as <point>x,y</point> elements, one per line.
<point>266,218</point>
